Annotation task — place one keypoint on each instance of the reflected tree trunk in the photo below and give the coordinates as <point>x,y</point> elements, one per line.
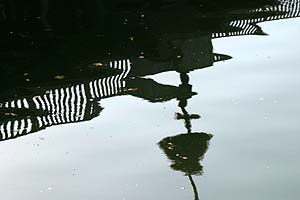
<point>194,187</point>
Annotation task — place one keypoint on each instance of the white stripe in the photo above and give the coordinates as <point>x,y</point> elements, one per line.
<point>12,104</point>
<point>42,102</point>
<point>8,128</point>
<point>37,105</point>
<point>29,126</point>
<point>19,104</point>
<point>100,88</point>
<point>68,111</point>
<point>15,128</point>
<point>91,90</point>
<point>72,104</point>
<point>3,132</point>
<point>47,103</point>
<point>62,105</point>
<point>77,116</point>
<point>22,127</point>
<point>57,107</point>
<point>84,102</point>
<point>40,121</point>
<point>26,105</point>
<point>96,90</point>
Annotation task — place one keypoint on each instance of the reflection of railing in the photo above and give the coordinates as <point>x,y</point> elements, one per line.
<point>220,57</point>
<point>79,102</point>
<point>63,105</point>
<point>248,25</point>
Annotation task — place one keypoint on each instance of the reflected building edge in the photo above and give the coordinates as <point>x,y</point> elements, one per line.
<point>77,100</point>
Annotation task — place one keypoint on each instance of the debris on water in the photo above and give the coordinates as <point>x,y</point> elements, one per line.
<point>10,114</point>
<point>59,77</point>
<point>235,100</point>
<point>261,99</point>
<point>98,64</point>
<point>50,188</point>
<point>183,188</point>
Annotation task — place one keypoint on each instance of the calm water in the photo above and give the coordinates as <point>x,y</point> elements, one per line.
<point>149,141</point>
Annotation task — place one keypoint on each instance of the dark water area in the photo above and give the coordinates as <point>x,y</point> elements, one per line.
<point>140,99</point>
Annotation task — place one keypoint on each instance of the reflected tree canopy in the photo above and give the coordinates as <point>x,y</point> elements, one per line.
<point>60,76</point>
<point>60,58</point>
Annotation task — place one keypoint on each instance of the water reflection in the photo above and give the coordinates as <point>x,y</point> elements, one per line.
<point>33,99</point>
<point>45,85</point>
<point>186,150</point>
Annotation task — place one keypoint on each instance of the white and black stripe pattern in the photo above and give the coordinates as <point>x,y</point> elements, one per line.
<point>15,128</point>
<point>244,27</point>
<point>220,57</point>
<point>285,10</point>
<point>112,85</point>
<point>19,103</point>
<point>64,105</point>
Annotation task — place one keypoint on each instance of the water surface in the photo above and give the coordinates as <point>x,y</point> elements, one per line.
<point>195,125</point>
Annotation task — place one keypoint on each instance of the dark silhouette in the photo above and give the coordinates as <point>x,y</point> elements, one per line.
<point>83,68</point>
<point>186,150</point>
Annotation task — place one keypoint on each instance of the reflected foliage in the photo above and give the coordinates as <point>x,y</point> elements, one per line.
<point>185,151</point>
<point>60,58</point>
<point>57,66</point>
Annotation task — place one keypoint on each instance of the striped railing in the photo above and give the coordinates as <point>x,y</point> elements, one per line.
<point>248,25</point>
<point>70,104</point>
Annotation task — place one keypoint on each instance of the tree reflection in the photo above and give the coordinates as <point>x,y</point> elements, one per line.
<point>45,85</point>
<point>185,151</point>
